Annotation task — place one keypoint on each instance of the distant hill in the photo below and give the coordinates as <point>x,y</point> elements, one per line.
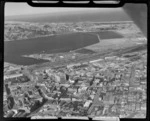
<point>95,16</point>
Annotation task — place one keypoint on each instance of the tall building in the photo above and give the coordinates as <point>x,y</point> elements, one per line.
<point>132,75</point>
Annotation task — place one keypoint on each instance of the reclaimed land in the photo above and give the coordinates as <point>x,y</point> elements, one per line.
<point>117,52</point>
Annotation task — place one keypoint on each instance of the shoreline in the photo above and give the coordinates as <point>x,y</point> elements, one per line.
<point>100,55</point>
<point>70,32</point>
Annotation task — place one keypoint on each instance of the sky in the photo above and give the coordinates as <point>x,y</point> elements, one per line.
<point>23,8</point>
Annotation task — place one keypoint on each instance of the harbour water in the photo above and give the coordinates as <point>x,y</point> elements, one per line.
<point>13,50</point>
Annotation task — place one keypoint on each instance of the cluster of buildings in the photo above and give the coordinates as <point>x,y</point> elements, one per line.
<point>112,86</point>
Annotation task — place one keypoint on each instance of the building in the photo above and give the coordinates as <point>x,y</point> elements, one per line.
<point>94,61</point>
<point>12,76</point>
